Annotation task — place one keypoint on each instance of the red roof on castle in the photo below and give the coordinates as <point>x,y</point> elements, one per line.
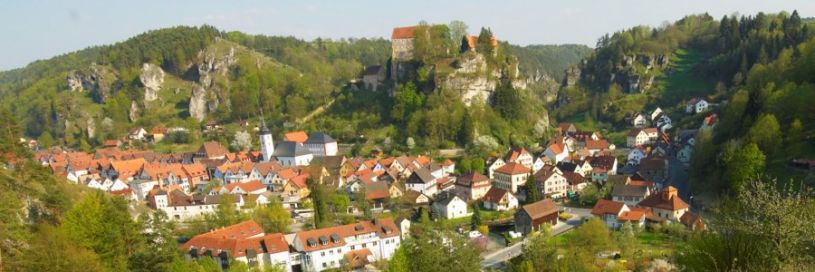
<point>403,32</point>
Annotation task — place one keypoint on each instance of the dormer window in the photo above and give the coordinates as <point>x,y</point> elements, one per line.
<point>323,240</point>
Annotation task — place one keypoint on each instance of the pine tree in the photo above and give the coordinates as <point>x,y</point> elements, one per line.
<point>475,220</point>
<point>467,131</point>
<point>533,193</point>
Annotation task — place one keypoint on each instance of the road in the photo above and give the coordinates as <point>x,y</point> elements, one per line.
<point>502,255</point>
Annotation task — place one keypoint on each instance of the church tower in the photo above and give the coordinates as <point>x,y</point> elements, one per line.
<point>266,143</point>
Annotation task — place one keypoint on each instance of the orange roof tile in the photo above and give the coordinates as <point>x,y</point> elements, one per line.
<point>513,169</point>
<point>296,136</point>
<point>384,228</point>
<point>403,32</point>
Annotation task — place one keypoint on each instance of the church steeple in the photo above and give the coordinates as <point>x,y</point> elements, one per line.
<point>266,140</point>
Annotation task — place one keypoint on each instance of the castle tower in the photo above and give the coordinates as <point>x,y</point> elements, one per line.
<point>266,143</point>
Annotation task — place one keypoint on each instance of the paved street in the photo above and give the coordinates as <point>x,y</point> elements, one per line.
<point>498,257</point>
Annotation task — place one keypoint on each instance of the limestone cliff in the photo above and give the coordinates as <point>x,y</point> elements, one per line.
<point>475,81</point>
<point>152,77</point>
<point>99,80</point>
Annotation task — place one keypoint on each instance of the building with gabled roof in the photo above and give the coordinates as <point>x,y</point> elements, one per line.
<point>531,216</point>
<point>244,242</point>
<point>472,186</point>
<point>498,199</point>
<point>511,176</point>
<point>321,145</point>
<point>666,204</point>
<point>326,248</point>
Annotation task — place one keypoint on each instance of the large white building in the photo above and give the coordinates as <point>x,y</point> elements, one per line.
<point>321,145</point>
<point>357,244</point>
<point>181,207</point>
<point>266,143</point>
<point>243,242</point>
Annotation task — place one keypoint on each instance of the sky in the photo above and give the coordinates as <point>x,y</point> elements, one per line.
<point>33,30</point>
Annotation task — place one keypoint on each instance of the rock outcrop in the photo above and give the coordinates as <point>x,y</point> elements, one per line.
<point>474,82</point>
<point>198,103</point>
<point>572,76</point>
<point>90,128</point>
<point>134,111</point>
<point>100,81</point>
<point>152,77</point>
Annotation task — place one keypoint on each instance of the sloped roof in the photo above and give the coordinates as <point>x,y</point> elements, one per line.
<point>540,209</point>
<point>473,40</point>
<point>513,169</point>
<point>296,136</point>
<point>237,240</point>
<point>376,190</point>
<point>403,32</point>
<point>249,186</point>
<point>213,149</point>
<point>605,206</point>
<point>472,179</point>
<point>319,138</point>
<point>667,199</point>
<point>290,149</point>
<point>358,258</point>
<point>494,195</point>
<point>629,190</point>
<point>421,175</point>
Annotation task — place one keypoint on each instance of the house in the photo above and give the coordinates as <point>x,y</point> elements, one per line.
<point>532,216</point>
<point>212,150</point>
<point>497,199</point>
<point>297,186</point>
<point>615,214</point>
<point>493,165</point>
<point>449,206</point>
<point>292,154</point>
<point>422,181</point>
<point>656,113</point>
<point>519,155</point>
<point>636,137</point>
<point>639,121</point>
<point>448,167</point>
<point>373,76</point>
<point>296,136</point>
<point>575,181</point>
<point>182,207</point>
<point>566,128</point>
<point>321,145</point>
<point>551,182</point>
<point>415,198</point>
<point>510,176</point>
<point>666,204</point>
<point>596,147</point>
<point>692,221</point>
<point>377,194</point>
<point>404,226</point>
<point>663,123</point>
<point>157,134</point>
<point>629,194</point>
<point>396,190</point>
<point>244,242</point>
<point>607,163</point>
<point>696,105</point>
<point>254,187</point>
<point>363,242</point>
<point>137,134</point>
<point>636,155</point>
<point>472,186</point>
<point>710,121</point>
<point>652,133</point>
<point>557,152</point>
<point>654,168</point>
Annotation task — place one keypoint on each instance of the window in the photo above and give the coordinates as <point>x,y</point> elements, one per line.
<point>324,266</point>
<point>375,242</point>
<point>322,253</point>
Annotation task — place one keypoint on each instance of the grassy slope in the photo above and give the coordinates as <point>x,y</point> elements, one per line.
<point>682,83</point>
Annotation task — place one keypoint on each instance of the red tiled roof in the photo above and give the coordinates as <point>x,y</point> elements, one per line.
<point>249,186</point>
<point>494,195</point>
<point>605,206</point>
<point>296,136</point>
<point>473,40</point>
<point>540,209</point>
<point>403,32</point>
<point>512,169</point>
<point>357,258</point>
<point>237,239</point>
<point>667,199</point>
<point>599,144</point>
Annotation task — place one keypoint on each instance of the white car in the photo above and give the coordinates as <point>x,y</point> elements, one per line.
<point>513,234</point>
<point>474,234</point>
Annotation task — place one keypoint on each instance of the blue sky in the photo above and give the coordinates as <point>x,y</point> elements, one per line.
<point>34,30</point>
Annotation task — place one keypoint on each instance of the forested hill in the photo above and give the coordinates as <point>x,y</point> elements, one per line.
<point>757,68</point>
<point>185,76</point>
<point>549,60</point>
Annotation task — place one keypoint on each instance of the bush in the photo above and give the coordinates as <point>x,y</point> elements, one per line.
<point>565,216</point>
<point>484,229</point>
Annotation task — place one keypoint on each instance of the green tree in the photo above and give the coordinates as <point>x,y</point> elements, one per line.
<point>442,251</point>
<point>484,43</point>
<point>399,261</point>
<point>475,219</point>
<point>54,250</point>
<point>478,165</point>
<point>318,199</point>
<point>592,236</point>
<point>766,133</point>
<point>533,193</point>
<point>458,30</point>
<point>464,165</point>
<point>103,225</point>
<point>467,132</point>
<point>160,251</point>
<point>507,100</point>
<point>226,213</point>
<point>745,164</point>
<point>273,217</point>
<point>406,101</point>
